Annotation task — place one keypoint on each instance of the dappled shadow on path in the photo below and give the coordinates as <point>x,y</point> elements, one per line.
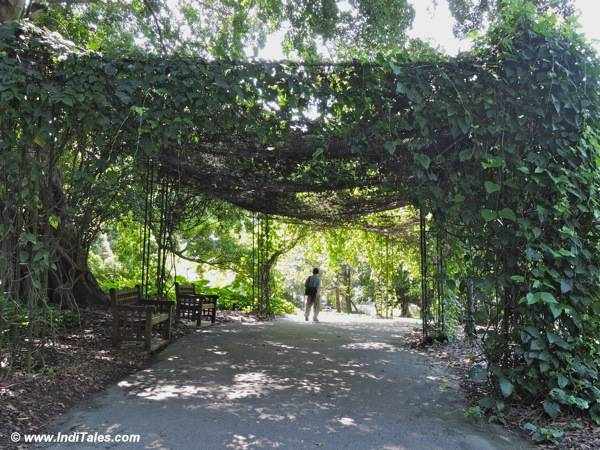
<point>291,384</point>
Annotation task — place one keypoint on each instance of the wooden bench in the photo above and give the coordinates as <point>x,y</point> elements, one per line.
<point>134,318</point>
<point>193,306</point>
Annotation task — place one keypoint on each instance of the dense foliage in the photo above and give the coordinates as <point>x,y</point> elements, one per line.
<point>497,147</point>
<point>476,15</point>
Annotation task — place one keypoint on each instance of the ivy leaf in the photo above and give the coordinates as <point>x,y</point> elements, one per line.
<point>506,387</point>
<point>488,215</point>
<point>556,310</point>
<point>566,285</point>
<point>507,213</point>
<point>491,187</point>
<point>423,160</point>
<point>562,381</point>
<point>551,408</point>
<point>557,340</point>
<point>547,298</point>
<point>54,221</point>
<point>465,154</point>
<point>494,163</point>
<point>390,147</point>
<point>531,299</point>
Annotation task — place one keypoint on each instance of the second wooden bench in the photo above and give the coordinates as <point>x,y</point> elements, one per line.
<point>193,306</point>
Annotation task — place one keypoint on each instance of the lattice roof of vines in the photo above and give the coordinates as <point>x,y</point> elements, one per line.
<point>324,142</point>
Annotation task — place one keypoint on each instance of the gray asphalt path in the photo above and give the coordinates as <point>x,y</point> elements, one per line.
<point>288,384</point>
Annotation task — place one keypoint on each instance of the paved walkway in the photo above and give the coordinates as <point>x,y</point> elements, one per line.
<point>339,384</point>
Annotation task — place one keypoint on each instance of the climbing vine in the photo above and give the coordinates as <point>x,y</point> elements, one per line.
<point>498,147</point>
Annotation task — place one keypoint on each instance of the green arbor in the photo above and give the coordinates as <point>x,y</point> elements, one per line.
<point>497,147</point>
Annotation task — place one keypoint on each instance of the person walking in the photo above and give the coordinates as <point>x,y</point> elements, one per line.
<point>312,286</point>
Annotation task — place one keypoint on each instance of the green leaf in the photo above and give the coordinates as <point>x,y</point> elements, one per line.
<point>537,344</point>
<point>54,221</point>
<point>390,147</point>
<point>139,110</point>
<point>507,213</point>
<point>466,154</point>
<point>557,340</point>
<point>30,237</point>
<point>459,198</point>
<point>488,215</point>
<point>551,408</point>
<point>531,299</point>
<point>491,187</point>
<point>506,387</point>
<point>494,163</point>
<point>486,403</point>
<point>595,414</point>
<point>547,298</point>
<point>423,160</point>
<point>566,285</point>
<point>562,381</point>
<point>556,310</point>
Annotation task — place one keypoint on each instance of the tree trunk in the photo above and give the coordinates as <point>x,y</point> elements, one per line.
<point>348,302</point>
<point>470,319</point>
<point>11,10</point>
<point>404,307</point>
<point>71,283</point>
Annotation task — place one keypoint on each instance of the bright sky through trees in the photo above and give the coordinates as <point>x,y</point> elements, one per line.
<point>433,22</point>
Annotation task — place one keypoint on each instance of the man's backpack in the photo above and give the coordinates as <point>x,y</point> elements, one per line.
<point>308,289</point>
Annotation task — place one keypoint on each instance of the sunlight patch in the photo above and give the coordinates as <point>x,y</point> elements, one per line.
<point>347,421</point>
<point>370,346</point>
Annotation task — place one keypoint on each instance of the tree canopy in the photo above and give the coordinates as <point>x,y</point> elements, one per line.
<point>223,28</point>
<point>475,15</point>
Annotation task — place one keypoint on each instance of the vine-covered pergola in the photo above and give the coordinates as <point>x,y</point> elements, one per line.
<point>495,147</point>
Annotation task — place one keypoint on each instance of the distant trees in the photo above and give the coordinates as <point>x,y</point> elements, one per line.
<point>474,15</point>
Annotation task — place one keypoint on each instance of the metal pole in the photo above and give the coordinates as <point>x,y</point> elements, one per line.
<point>423,254</point>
